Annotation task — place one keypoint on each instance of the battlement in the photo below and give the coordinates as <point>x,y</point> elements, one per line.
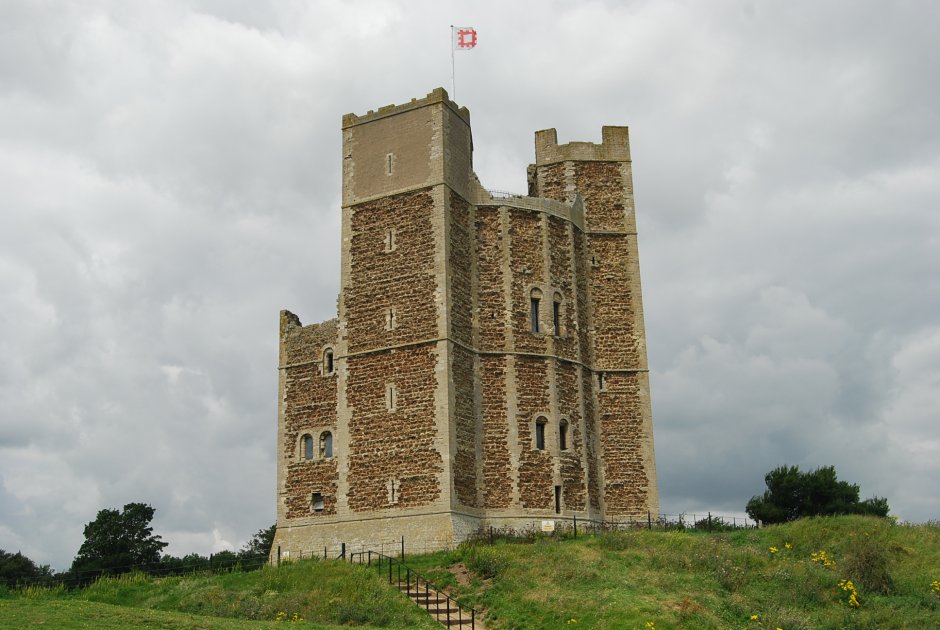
<point>614,147</point>
<point>437,95</point>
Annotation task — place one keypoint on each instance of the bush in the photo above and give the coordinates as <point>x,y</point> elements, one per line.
<point>792,494</point>
<point>487,562</point>
<point>867,562</point>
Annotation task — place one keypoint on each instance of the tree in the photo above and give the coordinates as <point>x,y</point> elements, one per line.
<point>260,543</point>
<point>15,568</point>
<point>792,494</point>
<point>118,542</point>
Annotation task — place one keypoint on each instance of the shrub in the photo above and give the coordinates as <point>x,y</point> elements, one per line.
<point>487,562</point>
<point>867,560</point>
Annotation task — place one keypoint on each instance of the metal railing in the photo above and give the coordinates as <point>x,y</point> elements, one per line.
<point>444,608</point>
<point>502,194</point>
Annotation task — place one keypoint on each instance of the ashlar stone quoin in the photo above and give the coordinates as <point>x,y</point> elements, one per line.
<point>487,366</point>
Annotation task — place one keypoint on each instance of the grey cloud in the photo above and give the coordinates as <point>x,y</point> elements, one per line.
<point>170,180</point>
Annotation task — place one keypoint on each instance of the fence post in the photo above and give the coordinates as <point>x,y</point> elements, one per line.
<point>342,553</point>
<point>649,520</point>
<point>402,548</point>
<point>491,534</point>
<point>709,521</point>
<point>278,555</point>
<point>576,526</point>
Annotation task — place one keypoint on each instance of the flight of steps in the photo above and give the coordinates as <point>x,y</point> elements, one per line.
<point>443,610</point>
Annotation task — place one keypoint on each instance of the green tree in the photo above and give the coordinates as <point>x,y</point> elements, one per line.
<point>792,494</point>
<point>260,543</point>
<point>15,568</point>
<point>118,542</point>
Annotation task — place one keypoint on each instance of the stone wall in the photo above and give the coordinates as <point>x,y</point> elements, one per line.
<point>393,446</point>
<point>309,408</point>
<point>401,279</point>
<point>497,462</point>
<point>491,311</point>
<point>534,400</point>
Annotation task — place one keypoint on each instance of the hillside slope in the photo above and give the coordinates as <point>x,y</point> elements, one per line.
<point>789,576</point>
<point>774,577</point>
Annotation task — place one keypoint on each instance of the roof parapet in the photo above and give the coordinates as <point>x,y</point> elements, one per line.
<point>437,95</point>
<point>614,147</point>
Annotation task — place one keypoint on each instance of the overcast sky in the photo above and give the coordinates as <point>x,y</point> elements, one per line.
<point>170,180</point>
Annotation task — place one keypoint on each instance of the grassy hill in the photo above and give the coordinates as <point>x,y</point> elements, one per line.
<point>786,576</point>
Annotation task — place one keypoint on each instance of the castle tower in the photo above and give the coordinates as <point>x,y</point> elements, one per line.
<point>488,362</point>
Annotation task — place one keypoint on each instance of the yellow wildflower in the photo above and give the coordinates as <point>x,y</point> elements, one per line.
<point>773,550</point>
<point>755,617</point>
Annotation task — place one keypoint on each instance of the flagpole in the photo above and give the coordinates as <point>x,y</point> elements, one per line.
<point>453,74</point>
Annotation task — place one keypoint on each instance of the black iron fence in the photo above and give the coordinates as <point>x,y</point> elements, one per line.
<point>444,608</point>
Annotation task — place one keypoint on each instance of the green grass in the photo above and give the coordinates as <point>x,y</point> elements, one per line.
<point>700,580</point>
<point>22,612</point>
<point>616,580</point>
<point>330,594</point>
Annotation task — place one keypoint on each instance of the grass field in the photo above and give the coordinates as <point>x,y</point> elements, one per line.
<point>757,579</point>
<point>791,576</point>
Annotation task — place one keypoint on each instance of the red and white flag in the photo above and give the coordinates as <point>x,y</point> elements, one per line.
<point>465,38</point>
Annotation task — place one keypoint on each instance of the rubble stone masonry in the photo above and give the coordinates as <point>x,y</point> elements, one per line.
<point>488,363</point>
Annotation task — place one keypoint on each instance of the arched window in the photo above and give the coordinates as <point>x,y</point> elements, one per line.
<point>328,361</point>
<point>556,313</point>
<point>326,444</point>
<point>316,501</point>
<point>308,446</point>
<point>535,299</point>
<point>563,435</point>
<point>540,423</point>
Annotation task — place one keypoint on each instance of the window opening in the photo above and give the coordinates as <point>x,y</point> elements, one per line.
<point>557,499</point>
<point>556,314</point>
<point>328,361</point>
<point>326,444</point>
<point>392,496</point>
<point>563,436</point>
<point>540,434</point>
<point>391,318</point>
<point>390,240</point>
<point>308,447</point>
<point>534,300</point>
<point>388,164</point>
<point>601,381</point>
<point>316,500</point>
<point>391,397</point>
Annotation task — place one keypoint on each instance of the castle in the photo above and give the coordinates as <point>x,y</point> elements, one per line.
<point>488,363</point>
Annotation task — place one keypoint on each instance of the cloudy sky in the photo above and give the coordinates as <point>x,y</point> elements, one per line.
<point>170,180</point>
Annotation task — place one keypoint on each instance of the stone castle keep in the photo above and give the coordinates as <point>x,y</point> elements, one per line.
<point>488,363</point>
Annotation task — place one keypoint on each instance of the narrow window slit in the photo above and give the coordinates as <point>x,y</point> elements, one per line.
<point>540,433</point>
